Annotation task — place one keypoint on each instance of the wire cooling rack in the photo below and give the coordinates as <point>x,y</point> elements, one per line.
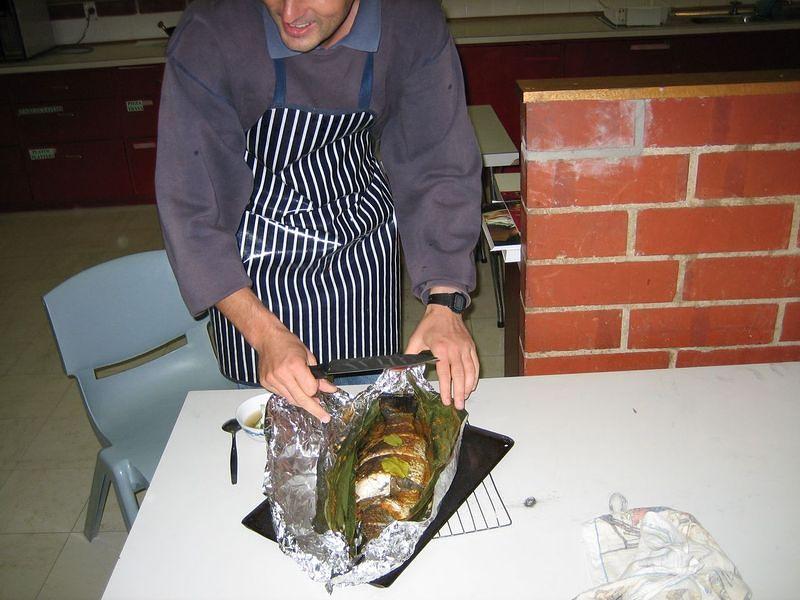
<point>484,509</point>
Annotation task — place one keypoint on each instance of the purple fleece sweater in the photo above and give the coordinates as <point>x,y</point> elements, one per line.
<point>219,80</point>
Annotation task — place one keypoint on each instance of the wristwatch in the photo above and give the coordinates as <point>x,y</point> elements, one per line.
<point>455,301</point>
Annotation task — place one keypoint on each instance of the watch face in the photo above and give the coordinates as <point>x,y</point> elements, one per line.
<point>459,302</point>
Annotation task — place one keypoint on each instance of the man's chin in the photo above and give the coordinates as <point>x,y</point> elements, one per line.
<point>299,44</point>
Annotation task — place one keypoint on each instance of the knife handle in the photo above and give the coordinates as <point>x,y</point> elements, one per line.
<point>234,462</point>
<point>319,371</point>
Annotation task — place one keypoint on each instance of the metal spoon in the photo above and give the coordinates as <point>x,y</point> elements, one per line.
<point>232,426</point>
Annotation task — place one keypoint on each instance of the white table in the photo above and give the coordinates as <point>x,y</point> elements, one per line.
<point>720,442</point>
<point>497,149</point>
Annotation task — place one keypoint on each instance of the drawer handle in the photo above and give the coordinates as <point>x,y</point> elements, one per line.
<point>655,46</point>
<point>543,58</point>
<point>144,146</point>
<point>74,156</point>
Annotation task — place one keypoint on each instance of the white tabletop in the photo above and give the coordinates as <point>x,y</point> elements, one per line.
<point>720,442</point>
<point>497,149</point>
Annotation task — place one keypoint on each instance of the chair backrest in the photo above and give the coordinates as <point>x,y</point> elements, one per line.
<point>119,310</point>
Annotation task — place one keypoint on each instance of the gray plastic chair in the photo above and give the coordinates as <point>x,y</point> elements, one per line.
<point>108,314</point>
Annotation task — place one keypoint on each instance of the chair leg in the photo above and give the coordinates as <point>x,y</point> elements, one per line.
<point>97,500</point>
<point>126,495</point>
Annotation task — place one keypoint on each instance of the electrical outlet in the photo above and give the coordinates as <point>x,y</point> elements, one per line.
<point>90,10</point>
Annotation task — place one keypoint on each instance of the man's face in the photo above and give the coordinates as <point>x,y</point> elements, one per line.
<point>305,24</point>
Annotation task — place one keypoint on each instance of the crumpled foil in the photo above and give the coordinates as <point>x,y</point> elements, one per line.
<point>295,442</point>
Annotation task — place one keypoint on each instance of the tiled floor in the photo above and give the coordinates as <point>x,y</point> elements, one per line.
<point>47,447</point>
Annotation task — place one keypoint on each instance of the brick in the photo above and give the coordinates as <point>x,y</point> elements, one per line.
<point>742,278</point>
<point>738,356</point>
<point>702,326</point>
<point>592,363</point>
<point>598,181</point>
<point>600,283</point>
<point>748,174</point>
<point>573,330</point>
<point>577,235</point>
<point>723,120</point>
<point>579,124</point>
<point>791,323</point>
<point>713,229</point>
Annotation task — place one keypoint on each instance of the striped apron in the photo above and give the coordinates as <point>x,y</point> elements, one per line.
<point>318,237</point>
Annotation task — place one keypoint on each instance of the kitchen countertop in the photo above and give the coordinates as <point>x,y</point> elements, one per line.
<point>483,30</point>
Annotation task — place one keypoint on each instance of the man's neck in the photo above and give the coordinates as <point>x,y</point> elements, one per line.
<point>344,28</point>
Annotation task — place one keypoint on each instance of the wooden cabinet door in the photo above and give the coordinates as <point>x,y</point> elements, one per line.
<point>491,72</point>
<point>68,121</point>
<point>638,56</point>
<point>62,85</point>
<point>139,92</point>
<point>139,116</point>
<point>8,130</point>
<point>142,162</point>
<point>751,51</point>
<point>79,174</point>
<point>14,191</point>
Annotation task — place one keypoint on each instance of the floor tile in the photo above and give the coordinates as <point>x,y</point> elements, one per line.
<point>26,561</point>
<point>43,500</point>
<point>62,442</point>
<point>83,568</point>
<point>489,337</point>
<point>15,437</point>
<point>4,475</point>
<point>23,397</point>
<point>492,366</point>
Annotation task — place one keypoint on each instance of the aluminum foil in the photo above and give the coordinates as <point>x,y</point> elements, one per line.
<point>296,440</point>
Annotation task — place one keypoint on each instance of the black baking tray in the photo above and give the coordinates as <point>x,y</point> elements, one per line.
<point>481,450</point>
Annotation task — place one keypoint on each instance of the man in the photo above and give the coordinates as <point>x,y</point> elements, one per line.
<point>277,213</point>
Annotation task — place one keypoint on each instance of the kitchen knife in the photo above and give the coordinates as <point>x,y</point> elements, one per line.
<point>350,366</point>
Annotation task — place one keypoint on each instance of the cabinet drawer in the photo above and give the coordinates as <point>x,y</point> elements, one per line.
<point>142,161</point>
<point>82,174</point>
<point>63,85</point>
<point>139,116</point>
<point>8,132</point>
<point>618,57</point>
<point>14,191</point>
<point>68,121</point>
<point>5,90</point>
<point>139,80</point>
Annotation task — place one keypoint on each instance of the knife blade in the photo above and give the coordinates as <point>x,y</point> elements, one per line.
<point>350,366</point>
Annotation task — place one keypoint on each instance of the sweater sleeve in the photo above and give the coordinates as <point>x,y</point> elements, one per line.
<point>202,181</point>
<point>434,166</point>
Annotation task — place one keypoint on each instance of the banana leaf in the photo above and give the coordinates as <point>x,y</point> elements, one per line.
<point>336,501</point>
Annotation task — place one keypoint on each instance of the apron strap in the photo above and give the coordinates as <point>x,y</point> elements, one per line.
<point>365,93</point>
<point>279,95</point>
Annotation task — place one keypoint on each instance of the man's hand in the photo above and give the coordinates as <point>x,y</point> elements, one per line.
<point>282,358</point>
<point>443,332</point>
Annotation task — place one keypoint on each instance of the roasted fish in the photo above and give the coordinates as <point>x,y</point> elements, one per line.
<point>392,467</point>
<point>386,465</point>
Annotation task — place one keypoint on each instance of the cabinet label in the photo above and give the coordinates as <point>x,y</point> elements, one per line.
<point>135,105</point>
<point>39,110</point>
<point>41,153</point>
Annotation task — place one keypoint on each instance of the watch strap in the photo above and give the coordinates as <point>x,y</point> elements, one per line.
<point>455,301</point>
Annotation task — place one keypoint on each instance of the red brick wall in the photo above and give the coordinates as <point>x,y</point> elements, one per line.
<point>661,232</point>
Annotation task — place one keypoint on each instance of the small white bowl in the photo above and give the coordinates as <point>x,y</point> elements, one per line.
<point>251,411</point>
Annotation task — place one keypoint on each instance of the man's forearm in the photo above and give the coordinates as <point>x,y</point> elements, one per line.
<point>249,316</point>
